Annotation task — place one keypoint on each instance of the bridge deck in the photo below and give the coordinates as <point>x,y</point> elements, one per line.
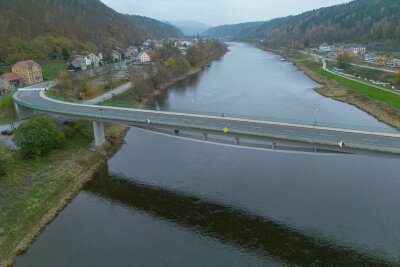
<point>360,139</point>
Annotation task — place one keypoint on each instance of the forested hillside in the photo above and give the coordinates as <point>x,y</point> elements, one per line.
<point>364,21</point>
<point>50,28</point>
<point>154,28</point>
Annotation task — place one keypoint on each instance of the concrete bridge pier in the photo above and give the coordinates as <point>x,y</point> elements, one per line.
<point>99,136</point>
<point>24,112</point>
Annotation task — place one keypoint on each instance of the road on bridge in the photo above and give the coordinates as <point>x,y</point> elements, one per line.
<point>363,139</point>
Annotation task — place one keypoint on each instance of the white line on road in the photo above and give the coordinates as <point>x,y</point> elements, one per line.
<point>369,140</point>
<point>289,131</point>
<point>327,135</point>
<point>255,127</point>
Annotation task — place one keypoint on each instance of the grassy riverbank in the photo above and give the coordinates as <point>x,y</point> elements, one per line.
<point>382,105</point>
<point>35,191</point>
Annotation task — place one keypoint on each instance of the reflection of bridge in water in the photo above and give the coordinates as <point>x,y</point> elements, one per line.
<point>315,135</point>
<point>232,226</point>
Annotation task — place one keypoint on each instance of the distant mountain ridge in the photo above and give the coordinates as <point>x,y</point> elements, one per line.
<point>72,24</point>
<point>189,27</point>
<point>154,28</point>
<point>362,21</point>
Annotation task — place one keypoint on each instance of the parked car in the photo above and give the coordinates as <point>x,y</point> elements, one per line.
<point>7,132</point>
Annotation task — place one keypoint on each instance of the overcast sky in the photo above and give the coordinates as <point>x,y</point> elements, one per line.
<point>217,12</point>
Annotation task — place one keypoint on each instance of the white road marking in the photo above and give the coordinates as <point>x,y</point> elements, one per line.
<point>369,140</point>
<point>256,127</point>
<point>327,135</point>
<point>289,131</point>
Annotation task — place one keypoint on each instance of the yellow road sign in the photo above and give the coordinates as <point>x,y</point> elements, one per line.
<point>226,130</point>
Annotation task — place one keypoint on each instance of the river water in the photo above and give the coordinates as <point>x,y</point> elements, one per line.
<point>165,201</point>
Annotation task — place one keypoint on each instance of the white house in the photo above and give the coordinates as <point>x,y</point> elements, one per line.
<point>325,48</point>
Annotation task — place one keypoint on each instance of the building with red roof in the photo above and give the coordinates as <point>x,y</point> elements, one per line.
<point>8,81</point>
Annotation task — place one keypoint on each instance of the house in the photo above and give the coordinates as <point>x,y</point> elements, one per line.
<point>356,49</point>
<point>325,48</point>
<point>145,56</point>
<point>185,44</point>
<point>78,64</point>
<point>8,81</point>
<point>29,71</point>
<point>131,52</point>
<point>93,60</point>
<point>116,56</point>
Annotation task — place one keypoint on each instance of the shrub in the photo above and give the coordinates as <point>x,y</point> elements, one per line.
<point>38,136</point>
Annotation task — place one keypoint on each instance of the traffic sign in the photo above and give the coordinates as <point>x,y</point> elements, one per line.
<point>226,130</point>
<point>342,144</point>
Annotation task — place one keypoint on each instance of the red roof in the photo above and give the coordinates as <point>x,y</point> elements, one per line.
<point>149,52</point>
<point>10,77</point>
<point>28,63</point>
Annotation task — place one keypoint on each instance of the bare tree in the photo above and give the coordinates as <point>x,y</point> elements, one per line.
<point>108,76</point>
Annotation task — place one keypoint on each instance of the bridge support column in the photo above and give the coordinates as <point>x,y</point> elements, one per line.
<point>98,130</point>
<point>237,140</point>
<point>24,112</point>
<point>205,136</point>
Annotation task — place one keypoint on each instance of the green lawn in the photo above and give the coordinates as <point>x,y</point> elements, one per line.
<point>367,90</point>
<point>51,69</point>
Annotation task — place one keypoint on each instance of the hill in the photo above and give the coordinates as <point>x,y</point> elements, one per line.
<point>154,28</point>
<point>41,29</point>
<point>189,27</point>
<point>363,21</point>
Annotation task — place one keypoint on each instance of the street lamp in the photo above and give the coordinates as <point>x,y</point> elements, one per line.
<point>315,117</point>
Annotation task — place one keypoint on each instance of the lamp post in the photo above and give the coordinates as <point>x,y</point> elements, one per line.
<point>315,117</point>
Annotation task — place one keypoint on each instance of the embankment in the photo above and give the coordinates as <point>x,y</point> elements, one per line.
<point>40,189</point>
<point>340,92</point>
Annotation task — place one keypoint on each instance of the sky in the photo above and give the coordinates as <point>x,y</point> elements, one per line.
<point>217,12</point>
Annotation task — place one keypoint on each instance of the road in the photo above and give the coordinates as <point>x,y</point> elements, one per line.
<point>355,80</point>
<point>290,131</point>
<point>122,89</point>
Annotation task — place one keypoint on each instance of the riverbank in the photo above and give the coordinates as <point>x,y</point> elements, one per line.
<point>341,91</point>
<point>147,86</point>
<point>37,190</point>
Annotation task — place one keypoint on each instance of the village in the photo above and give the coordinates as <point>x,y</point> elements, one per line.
<point>356,61</point>
<point>121,62</point>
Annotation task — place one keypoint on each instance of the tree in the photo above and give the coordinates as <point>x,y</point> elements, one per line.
<point>38,136</point>
<point>65,82</point>
<point>7,107</point>
<point>344,59</point>
<point>65,53</point>
<point>108,76</point>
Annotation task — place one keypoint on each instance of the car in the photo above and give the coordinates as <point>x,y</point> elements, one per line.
<point>7,132</point>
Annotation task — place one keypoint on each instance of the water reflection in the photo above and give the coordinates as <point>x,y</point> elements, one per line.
<point>229,225</point>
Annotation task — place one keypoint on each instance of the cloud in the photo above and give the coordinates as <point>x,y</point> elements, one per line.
<point>217,12</point>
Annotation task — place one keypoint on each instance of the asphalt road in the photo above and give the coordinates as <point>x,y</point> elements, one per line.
<point>318,134</point>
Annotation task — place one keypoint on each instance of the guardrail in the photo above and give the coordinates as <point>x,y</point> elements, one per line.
<point>239,116</point>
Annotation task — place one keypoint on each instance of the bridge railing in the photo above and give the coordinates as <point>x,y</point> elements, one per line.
<point>319,123</point>
<point>185,122</point>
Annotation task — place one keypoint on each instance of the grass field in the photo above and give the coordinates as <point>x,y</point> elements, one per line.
<point>369,91</point>
<point>50,70</point>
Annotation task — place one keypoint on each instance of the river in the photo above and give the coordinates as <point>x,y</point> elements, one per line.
<point>166,201</point>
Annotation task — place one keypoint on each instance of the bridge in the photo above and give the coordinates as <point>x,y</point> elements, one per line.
<point>34,101</point>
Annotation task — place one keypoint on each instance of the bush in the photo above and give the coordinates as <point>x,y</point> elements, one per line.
<point>38,136</point>
<point>5,160</point>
